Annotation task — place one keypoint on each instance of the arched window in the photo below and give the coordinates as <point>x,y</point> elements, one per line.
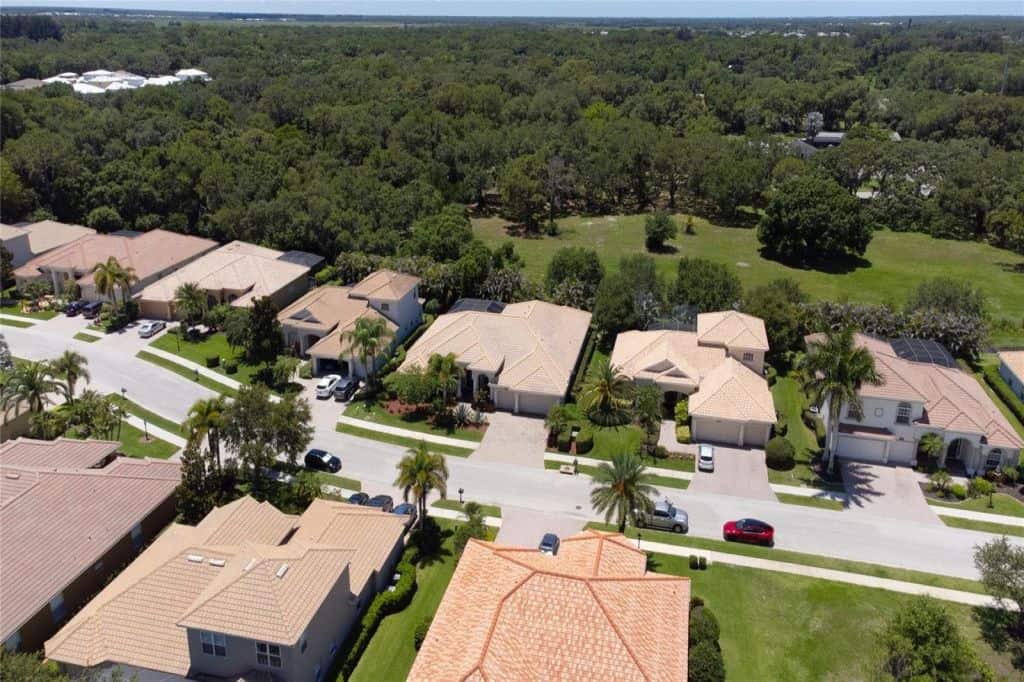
<point>903,413</point>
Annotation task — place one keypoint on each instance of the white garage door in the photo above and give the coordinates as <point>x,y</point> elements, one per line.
<point>754,435</point>
<point>535,404</point>
<point>863,449</point>
<point>902,452</point>
<point>715,431</point>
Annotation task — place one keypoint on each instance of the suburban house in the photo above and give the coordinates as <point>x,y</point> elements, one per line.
<point>720,367</point>
<point>924,394</point>
<point>590,612</point>
<point>523,354</point>
<point>315,325</point>
<point>25,242</point>
<point>72,513</point>
<point>153,255</point>
<point>236,273</point>
<point>1011,368</point>
<point>15,421</point>
<point>249,593</point>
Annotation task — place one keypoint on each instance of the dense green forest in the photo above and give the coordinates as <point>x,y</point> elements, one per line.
<point>339,138</point>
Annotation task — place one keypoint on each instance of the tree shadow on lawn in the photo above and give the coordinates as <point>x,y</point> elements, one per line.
<point>835,265</point>
<point>997,629</point>
<point>430,543</point>
<point>1016,268</point>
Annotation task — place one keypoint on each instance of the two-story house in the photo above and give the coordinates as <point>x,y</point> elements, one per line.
<point>1011,368</point>
<point>317,325</point>
<point>920,396</point>
<point>249,593</point>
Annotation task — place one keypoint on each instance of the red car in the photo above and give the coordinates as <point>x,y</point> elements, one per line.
<point>749,530</point>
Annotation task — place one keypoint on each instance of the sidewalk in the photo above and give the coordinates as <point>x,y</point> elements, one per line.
<point>155,431</point>
<point>493,521</point>
<point>969,598</point>
<point>19,318</point>
<point>407,433</point>
<point>188,364</point>
<point>977,516</point>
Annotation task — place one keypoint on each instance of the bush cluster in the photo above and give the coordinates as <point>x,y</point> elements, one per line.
<point>564,441</point>
<point>420,633</point>
<point>230,366</point>
<point>959,491</point>
<point>705,660</point>
<point>780,454</point>
<point>212,361</point>
<point>584,441</point>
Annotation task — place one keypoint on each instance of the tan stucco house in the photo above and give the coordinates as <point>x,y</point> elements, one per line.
<point>720,367</point>
<point>525,355</point>
<point>27,241</point>
<point>249,593</point>
<point>1011,368</point>
<point>315,325</point>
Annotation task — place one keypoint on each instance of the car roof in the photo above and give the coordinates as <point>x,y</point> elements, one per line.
<point>549,536</point>
<point>317,451</point>
<point>662,505</point>
<point>382,497</point>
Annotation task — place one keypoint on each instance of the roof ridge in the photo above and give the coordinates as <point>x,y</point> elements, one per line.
<point>494,619</point>
<point>615,628</point>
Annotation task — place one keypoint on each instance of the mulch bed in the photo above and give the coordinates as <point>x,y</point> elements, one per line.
<point>398,408</point>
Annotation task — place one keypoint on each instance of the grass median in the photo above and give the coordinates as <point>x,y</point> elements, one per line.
<point>152,417</point>
<point>455,505</point>
<point>655,480</point>
<point>187,373</point>
<point>88,338</point>
<point>983,526</point>
<point>817,502</point>
<point>392,439</point>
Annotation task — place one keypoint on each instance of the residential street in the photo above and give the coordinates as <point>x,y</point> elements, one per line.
<point>931,547</point>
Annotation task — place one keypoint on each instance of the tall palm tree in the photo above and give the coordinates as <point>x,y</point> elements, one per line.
<point>834,370</point>
<point>107,277</point>
<point>420,472</point>
<point>606,394</point>
<point>190,303</point>
<point>127,279</point>
<point>446,371</point>
<point>71,366</point>
<point>205,420</point>
<point>33,383</point>
<point>368,338</point>
<point>621,488</point>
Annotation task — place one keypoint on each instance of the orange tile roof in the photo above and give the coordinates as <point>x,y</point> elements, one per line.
<point>63,453</point>
<point>734,391</point>
<point>589,613</point>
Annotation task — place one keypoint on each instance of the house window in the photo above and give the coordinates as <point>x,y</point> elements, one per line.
<point>994,459</point>
<point>268,654</point>
<point>57,609</point>
<point>903,413</point>
<point>13,642</point>
<point>214,643</point>
<point>851,412</point>
<point>748,357</point>
<point>137,537</point>
<point>385,307</point>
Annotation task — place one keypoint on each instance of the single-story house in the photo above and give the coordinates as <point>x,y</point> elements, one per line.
<point>919,397</point>
<point>153,255</point>
<point>1011,368</point>
<point>236,273</point>
<point>315,325</point>
<point>720,366</point>
<point>589,612</point>
<point>25,242</point>
<point>72,514</point>
<point>525,356</point>
<point>248,593</point>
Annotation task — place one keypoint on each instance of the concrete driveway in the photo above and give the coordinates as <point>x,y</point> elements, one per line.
<point>525,528</point>
<point>127,340</point>
<point>738,472</point>
<point>889,491</point>
<point>513,439</point>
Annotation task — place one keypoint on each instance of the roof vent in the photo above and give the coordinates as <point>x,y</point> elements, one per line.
<point>13,475</point>
<point>195,558</point>
<point>248,566</point>
<point>219,563</point>
<point>281,571</point>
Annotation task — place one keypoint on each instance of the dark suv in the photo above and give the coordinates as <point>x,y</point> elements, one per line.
<point>91,311</point>
<point>382,502</point>
<point>345,389</point>
<point>322,460</point>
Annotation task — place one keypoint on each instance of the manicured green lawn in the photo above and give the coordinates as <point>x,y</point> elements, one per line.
<point>894,262</point>
<point>133,446</point>
<point>198,351</point>
<point>788,556</point>
<point>148,415</point>
<point>1001,504</point>
<point>776,626</point>
<point>983,526</point>
<point>790,403</point>
<point>374,412</point>
<point>819,502</point>
<point>324,478</point>
<point>656,481</point>
<point>88,338</point>
<point>187,373</point>
<point>488,509</point>
<point>401,440</point>
<point>8,322</point>
<point>15,309</point>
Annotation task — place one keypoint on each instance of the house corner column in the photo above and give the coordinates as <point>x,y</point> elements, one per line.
<point>743,428</point>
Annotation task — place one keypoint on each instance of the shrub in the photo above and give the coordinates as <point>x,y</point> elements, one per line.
<point>230,366</point>
<point>959,491</point>
<point>432,307</point>
<point>660,452</point>
<point>564,440</point>
<point>703,626</point>
<point>212,360</point>
<point>682,434</point>
<point>584,441</point>
<point>781,428</point>
<point>694,562</point>
<point>420,633</point>
<point>1005,393</point>
<point>696,601</point>
<point>703,563</point>
<point>979,487</point>
<point>771,374</point>
<point>1011,475</point>
<point>682,412</point>
<point>306,370</point>
<point>819,431</point>
<point>706,663</point>
<point>780,454</point>
<point>940,482</point>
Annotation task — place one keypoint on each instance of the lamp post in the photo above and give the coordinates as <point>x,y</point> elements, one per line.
<point>639,536</point>
<point>124,399</point>
<point>461,490</point>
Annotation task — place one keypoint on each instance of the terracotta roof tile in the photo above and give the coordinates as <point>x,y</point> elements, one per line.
<point>63,453</point>
<point>734,391</point>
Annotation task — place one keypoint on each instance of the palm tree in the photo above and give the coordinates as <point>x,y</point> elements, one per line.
<point>190,303</point>
<point>621,488</point>
<point>33,383</point>
<point>834,371</point>
<point>205,420</point>
<point>446,371</point>
<point>606,394</point>
<point>420,472</point>
<point>368,338</point>
<point>107,277</point>
<point>71,366</point>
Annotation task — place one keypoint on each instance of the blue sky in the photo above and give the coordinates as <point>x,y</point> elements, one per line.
<point>571,8</point>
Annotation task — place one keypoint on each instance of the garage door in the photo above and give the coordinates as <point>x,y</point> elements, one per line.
<point>863,449</point>
<point>535,404</point>
<point>902,452</point>
<point>716,431</point>
<point>754,435</point>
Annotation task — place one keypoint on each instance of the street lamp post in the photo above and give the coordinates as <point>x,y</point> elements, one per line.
<point>639,536</point>
<point>461,490</point>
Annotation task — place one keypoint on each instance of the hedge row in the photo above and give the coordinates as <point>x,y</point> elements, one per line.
<point>398,357</point>
<point>584,441</point>
<point>996,382</point>
<point>584,364</point>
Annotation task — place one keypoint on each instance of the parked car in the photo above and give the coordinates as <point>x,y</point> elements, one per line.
<point>705,458</point>
<point>549,544</point>
<point>325,387</point>
<point>382,502</point>
<point>322,460</point>
<point>664,517</point>
<point>73,308</point>
<point>407,509</point>
<point>358,498</point>
<point>345,389</point>
<point>150,327</point>
<point>749,530</point>
<point>92,310</point>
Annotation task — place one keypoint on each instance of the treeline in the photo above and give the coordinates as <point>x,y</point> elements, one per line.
<point>335,139</point>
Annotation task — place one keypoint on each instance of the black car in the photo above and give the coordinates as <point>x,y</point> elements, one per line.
<point>406,509</point>
<point>382,502</point>
<point>322,460</point>
<point>92,310</point>
<point>549,544</point>
<point>345,389</point>
<point>73,308</point>
<point>358,498</point>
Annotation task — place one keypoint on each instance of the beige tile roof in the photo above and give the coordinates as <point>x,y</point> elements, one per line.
<point>271,582</point>
<point>149,253</point>
<point>58,522</point>
<point>732,329</point>
<point>11,232</point>
<point>46,235</point>
<point>734,391</point>
<point>248,270</point>
<point>321,309</point>
<point>589,613</point>
<point>1014,359</point>
<point>532,345</point>
<point>63,453</point>
<point>385,284</point>
<point>673,359</point>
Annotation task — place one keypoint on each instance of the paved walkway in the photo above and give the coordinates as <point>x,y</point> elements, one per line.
<point>977,515</point>
<point>958,596</point>
<point>408,433</point>
<point>19,318</point>
<point>156,431</point>
<point>513,439</point>
<point>667,438</point>
<point>493,521</point>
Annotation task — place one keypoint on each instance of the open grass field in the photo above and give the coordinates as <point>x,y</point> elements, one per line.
<point>895,262</point>
<point>152,417</point>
